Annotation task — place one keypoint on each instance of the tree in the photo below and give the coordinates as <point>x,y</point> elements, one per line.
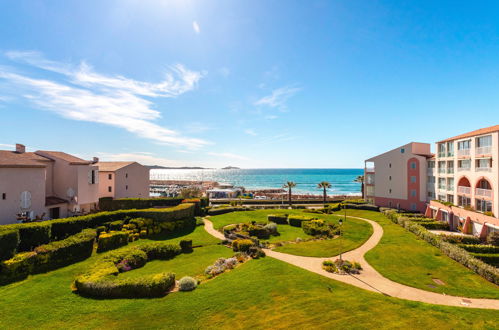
<point>191,192</point>
<point>289,185</point>
<point>360,179</point>
<point>324,185</point>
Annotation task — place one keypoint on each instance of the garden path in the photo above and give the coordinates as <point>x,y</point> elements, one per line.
<point>370,279</point>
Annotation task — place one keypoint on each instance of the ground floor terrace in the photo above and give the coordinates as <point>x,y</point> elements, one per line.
<point>462,219</point>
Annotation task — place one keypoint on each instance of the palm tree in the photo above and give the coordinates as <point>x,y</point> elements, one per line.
<point>360,179</point>
<point>324,185</point>
<point>289,185</point>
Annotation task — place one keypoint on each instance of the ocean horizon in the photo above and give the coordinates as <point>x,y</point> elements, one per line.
<point>306,179</point>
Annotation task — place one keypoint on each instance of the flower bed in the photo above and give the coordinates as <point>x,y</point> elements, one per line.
<point>340,266</point>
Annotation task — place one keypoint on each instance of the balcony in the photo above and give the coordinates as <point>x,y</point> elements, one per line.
<point>442,154</point>
<point>450,187</point>
<point>450,170</point>
<point>430,171</point>
<point>463,169</point>
<point>369,169</point>
<point>483,192</point>
<point>463,152</point>
<point>483,150</point>
<point>464,190</point>
<point>484,169</point>
<point>442,170</point>
<point>450,154</point>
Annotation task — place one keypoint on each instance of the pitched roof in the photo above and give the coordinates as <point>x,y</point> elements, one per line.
<point>72,160</point>
<point>112,166</point>
<point>480,131</point>
<point>26,159</point>
<point>53,200</point>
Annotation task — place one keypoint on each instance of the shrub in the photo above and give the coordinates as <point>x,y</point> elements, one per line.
<point>258,231</point>
<point>319,228</point>
<point>101,229</point>
<point>32,234</point>
<point>116,225</point>
<point>435,225</point>
<point>366,207</point>
<point>112,240</point>
<point>480,248</point>
<point>493,238</point>
<point>109,204</point>
<point>186,245</point>
<point>17,268</point>
<point>187,283</point>
<point>460,239</point>
<point>271,228</point>
<point>199,221</point>
<point>297,220</point>
<point>65,252</point>
<point>280,219</point>
<point>9,240</point>
<point>161,250</point>
<point>489,258</point>
<point>241,245</point>
<point>223,210</point>
<point>329,266</point>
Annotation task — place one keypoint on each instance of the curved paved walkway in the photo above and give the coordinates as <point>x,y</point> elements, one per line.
<point>370,279</point>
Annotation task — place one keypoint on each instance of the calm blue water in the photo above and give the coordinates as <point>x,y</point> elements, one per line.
<point>342,180</point>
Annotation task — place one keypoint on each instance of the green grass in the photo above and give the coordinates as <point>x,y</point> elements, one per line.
<point>198,235</point>
<point>404,258</point>
<point>264,293</point>
<point>355,232</point>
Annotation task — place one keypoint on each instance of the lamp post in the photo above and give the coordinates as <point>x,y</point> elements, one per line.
<point>341,229</point>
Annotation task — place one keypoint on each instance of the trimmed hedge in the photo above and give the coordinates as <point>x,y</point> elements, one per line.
<point>489,258</point>
<point>48,257</point>
<point>435,225</point>
<point>9,240</point>
<point>480,248</point>
<point>366,207</point>
<point>297,220</point>
<point>112,240</point>
<point>279,219</point>
<point>453,251</point>
<point>110,204</point>
<point>242,245</point>
<point>102,280</point>
<point>319,228</point>
<point>223,210</point>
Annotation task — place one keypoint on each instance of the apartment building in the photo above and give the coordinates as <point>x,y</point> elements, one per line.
<point>45,185</point>
<point>398,178</point>
<point>123,180</point>
<point>467,181</point>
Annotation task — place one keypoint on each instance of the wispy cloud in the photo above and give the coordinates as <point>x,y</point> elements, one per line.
<point>278,138</point>
<point>9,146</point>
<point>145,158</point>
<point>271,117</point>
<point>85,95</point>
<point>278,97</point>
<point>195,27</point>
<point>227,155</point>
<point>249,131</point>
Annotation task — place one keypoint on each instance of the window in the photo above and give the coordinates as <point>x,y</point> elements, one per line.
<point>441,150</point>
<point>431,164</point>
<point>126,187</point>
<point>413,179</point>
<point>483,163</point>
<point>413,207</point>
<point>450,149</point>
<point>389,191</point>
<point>390,178</point>
<point>464,164</point>
<point>450,198</point>
<point>463,201</point>
<point>441,183</point>
<point>110,176</point>
<point>390,165</point>
<point>483,205</point>
<point>93,176</point>
<point>464,145</point>
<point>413,193</point>
<point>431,194</point>
<point>390,204</point>
<point>109,189</point>
<point>4,196</point>
<point>484,141</point>
<point>126,175</point>
<point>413,165</point>
<point>402,150</point>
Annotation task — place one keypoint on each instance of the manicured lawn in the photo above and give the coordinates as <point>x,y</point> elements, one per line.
<point>264,293</point>
<point>355,232</point>
<point>403,257</point>
<point>198,235</point>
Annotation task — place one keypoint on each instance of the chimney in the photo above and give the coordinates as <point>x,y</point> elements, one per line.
<point>20,148</point>
<point>95,160</point>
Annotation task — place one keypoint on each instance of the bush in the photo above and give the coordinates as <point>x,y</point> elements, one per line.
<point>319,228</point>
<point>271,228</point>
<point>297,220</point>
<point>187,283</point>
<point>9,240</point>
<point>366,207</point>
<point>110,204</point>
<point>17,268</point>
<point>161,250</point>
<point>480,248</point>
<point>112,240</point>
<point>329,266</point>
<point>223,210</point>
<point>280,219</point>
<point>241,245</point>
<point>489,258</point>
<point>258,231</point>
<point>32,234</point>
<point>186,245</point>
<point>493,238</point>
<point>116,225</point>
<point>435,225</point>
<point>460,239</point>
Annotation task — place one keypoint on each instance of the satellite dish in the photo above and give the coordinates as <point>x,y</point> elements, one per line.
<point>25,200</point>
<point>70,193</point>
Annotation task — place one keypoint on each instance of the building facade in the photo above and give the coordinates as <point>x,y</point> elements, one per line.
<point>123,180</point>
<point>398,178</point>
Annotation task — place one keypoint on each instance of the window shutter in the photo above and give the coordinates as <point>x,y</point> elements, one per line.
<point>96,176</point>
<point>90,177</point>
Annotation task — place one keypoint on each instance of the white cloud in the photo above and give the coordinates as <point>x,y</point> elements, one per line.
<point>195,27</point>
<point>144,158</point>
<point>118,101</point>
<point>271,117</point>
<point>9,146</point>
<point>224,72</point>
<point>249,131</point>
<point>278,97</point>
<point>227,155</point>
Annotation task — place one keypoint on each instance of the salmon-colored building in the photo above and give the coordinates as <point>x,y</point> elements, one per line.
<point>123,180</point>
<point>397,178</point>
<point>45,185</point>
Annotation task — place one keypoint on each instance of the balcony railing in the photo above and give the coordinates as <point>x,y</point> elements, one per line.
<point>463,152</point>
<point>450,187</point>
<point>463,169</point>
<point>484,169</point>
<point>369,169</point>
<point>442,154</point>
<point>483,192</point>
<point>450,170</point>
<point>442,170</point>
<point>431,170</point>
<point>464,190</point>
<point>450,154</point>
<point>483,150</point>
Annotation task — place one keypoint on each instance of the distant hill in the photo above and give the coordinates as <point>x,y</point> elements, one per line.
<point>158,167</point>
<point>231,168</point>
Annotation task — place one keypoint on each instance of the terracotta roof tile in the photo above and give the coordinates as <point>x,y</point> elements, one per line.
<point>73,160</point>
<point>27,159</point>
<point>112,166</point>
<point>480,131</point>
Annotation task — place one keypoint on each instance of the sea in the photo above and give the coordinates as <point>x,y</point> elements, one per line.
<point>342,180</point>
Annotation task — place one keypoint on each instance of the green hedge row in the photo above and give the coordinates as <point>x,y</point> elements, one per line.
<point>102,279</point>
<point>48,257</point>
<point>110,204</point>
<point>366,207</point>
<point>453,251</point>
<point>490,258</point>
<point>480,248</point>
<point>297,220</point>
<point>112,240</point>
<point>281,219</point>
<point>223,210</point>
<point>31,235</point>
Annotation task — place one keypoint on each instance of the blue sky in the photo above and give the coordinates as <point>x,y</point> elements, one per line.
<point>246,83</point>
